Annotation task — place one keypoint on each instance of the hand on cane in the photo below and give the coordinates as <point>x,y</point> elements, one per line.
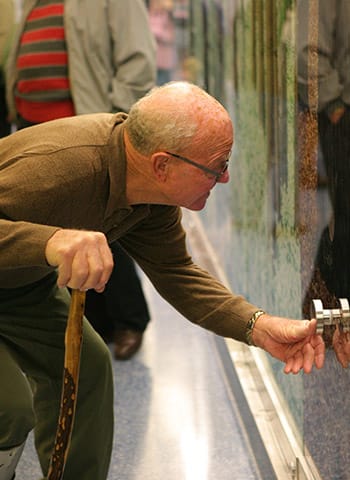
<point>83,258</point>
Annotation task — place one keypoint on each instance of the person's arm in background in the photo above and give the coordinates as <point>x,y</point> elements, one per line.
<point>7,22</point>
<point>7,26</point>
<point>330,84</point>
<point>134,52</point>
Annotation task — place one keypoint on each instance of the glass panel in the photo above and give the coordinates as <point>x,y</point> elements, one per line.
<point>282,227</point>
<point>257,216</point>
<point>324,208</point>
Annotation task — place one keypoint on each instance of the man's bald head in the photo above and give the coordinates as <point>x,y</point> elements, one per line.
<point>173,116</point>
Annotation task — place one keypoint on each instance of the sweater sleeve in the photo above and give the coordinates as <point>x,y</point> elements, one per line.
<point>23,244</point>
<point>159,247</point>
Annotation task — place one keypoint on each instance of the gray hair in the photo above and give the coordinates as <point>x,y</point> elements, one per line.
<point>165,119</point>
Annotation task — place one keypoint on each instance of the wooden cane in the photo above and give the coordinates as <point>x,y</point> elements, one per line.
<point>73,341</point>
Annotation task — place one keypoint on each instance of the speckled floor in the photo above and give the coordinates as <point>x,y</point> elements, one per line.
<point>173,413</point>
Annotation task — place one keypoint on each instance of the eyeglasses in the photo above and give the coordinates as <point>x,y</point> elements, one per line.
<point>205,169</point>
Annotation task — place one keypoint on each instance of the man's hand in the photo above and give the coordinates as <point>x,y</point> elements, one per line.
<point>83,258</point>
<point>341,345</point>
<point>336,115</point>
<point>294,342</point>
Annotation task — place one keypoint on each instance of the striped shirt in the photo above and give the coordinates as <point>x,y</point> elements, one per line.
<point>43,90</point>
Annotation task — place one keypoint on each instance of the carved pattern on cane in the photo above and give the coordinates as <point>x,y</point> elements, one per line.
<point>73,341</point>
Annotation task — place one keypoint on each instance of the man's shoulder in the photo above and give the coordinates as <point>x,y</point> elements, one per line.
<point>91,126</point>
<point>95,118</point>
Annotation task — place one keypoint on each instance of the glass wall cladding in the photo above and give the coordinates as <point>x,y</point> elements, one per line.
<point>256,215</point>
<point>324,156</point>
<point>281,227</point>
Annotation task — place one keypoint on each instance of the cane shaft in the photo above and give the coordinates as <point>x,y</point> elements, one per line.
<point>73,340</point>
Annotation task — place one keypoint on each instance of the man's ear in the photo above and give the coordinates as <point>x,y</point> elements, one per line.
<point>160,164</point>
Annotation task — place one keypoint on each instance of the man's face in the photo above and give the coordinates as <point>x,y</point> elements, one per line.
<point>191,186</point>
<point>196,186</point>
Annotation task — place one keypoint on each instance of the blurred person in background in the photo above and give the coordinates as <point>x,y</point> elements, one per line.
<point>74,57</point>
<point>331,47</point>
<point>7,24</point>
<point>163,28</point>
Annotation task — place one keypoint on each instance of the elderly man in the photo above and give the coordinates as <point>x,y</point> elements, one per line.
<point>71,187</point>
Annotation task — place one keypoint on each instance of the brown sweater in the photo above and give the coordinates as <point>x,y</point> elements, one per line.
<point>71,173</point>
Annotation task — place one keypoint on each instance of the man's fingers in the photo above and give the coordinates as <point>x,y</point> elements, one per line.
<point>64,274</point>
<point>97,270</point>
<point>84,259</point>
<point>305,356</point>
<point>294,363</point>
<point>289,365</point>
<point>81,272</point>
<point>342,357</point>
<point>103,264</point>
<point>91,269</point>
<point>341,346</point>
<point>309,358</point>
<point>320,350</point>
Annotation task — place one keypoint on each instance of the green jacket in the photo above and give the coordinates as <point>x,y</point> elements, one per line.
<point>71,173</point>
<point>7,25</point>
<point>111,54</point>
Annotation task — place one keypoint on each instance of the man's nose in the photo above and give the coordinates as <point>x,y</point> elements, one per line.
<point>225,177</point>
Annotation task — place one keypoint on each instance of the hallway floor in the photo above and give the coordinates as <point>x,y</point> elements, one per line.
<point>174,416</point>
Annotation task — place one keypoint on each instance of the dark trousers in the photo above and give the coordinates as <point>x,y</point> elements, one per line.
<point>122,305</point>
<point>334,253</point>
<point>33,320</point>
